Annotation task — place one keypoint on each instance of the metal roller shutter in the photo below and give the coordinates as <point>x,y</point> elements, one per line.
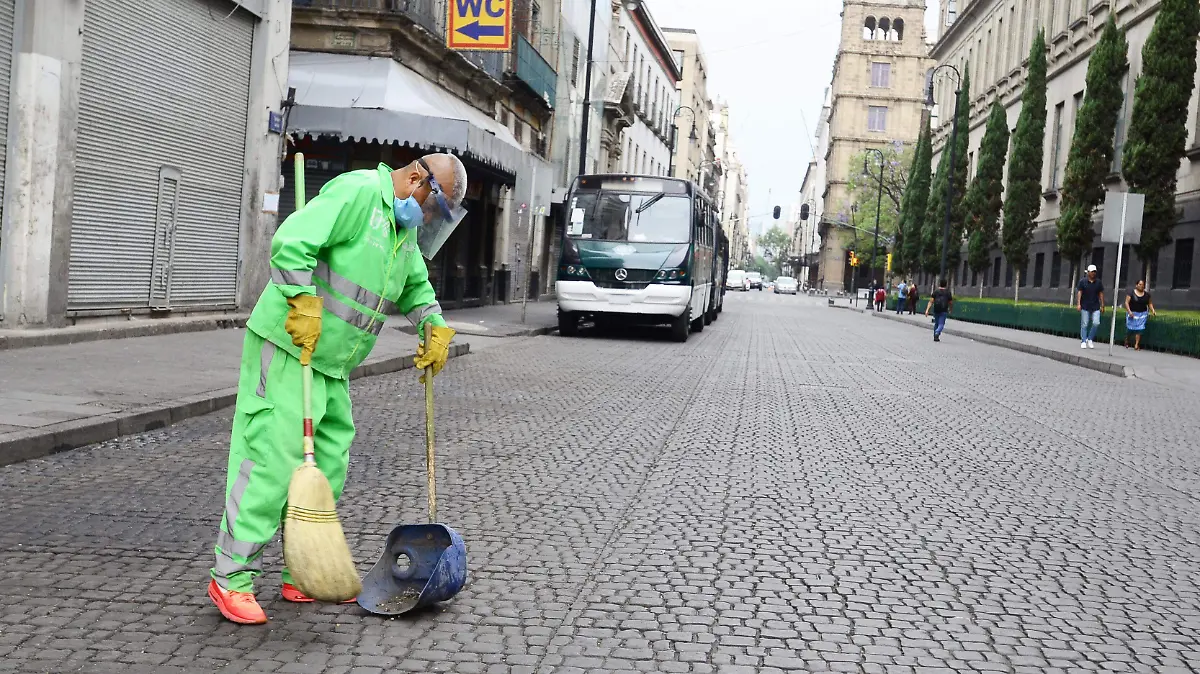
<point>164,94</point>
<point>7,20</point>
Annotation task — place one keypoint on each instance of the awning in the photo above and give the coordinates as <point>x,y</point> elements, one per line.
<point>377,99</point>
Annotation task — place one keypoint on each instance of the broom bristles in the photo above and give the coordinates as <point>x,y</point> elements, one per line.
<point>314,546</point>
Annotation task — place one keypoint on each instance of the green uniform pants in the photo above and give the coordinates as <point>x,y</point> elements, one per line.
<point>266,447</point>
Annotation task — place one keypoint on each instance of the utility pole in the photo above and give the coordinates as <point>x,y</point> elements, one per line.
<point>587,94</point>
<point>878,205</point>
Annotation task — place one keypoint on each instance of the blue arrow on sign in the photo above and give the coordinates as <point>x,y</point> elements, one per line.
<point>475,31</point>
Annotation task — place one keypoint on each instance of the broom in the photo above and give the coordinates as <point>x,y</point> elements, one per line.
<point>314,545</point>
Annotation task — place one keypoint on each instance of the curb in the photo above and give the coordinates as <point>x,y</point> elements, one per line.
<point>1106,367</point>
<point>22,339</point>
<point>37,443</point>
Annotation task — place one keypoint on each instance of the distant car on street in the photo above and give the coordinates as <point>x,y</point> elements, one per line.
<point>737,280</point>
<point>756,280</point>
<point>786,285</point>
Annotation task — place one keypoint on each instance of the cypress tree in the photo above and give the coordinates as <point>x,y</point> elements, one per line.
<point>1023,199</point>
<point>912,207</point>
<point>1092,148</point>
<point>935,212</point>
<point>1158,131</point>
<point>983,201</point>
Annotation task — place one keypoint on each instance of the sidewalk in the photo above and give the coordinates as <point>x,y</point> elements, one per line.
<point>67,395</point>
<point>1167,369</point>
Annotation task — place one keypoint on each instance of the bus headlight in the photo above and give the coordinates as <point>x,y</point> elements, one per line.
<point>671,276</point>
<point>571,272</point>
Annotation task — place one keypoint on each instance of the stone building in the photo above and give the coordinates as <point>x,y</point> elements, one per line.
<point>806,241</point>
<point>733,196</point>
<point>994,37</point>
<point>877,97</point>
<point>694,140</point>
<point>138,158</point>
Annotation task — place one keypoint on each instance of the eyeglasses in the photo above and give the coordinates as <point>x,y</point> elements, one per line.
<point>443,221</point>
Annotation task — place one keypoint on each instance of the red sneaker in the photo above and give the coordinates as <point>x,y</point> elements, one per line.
<point>293,594</point>
<point>240,607</point>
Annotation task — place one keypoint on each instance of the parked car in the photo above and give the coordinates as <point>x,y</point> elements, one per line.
<point>786,285</point>
<point>737,280</point>
<point>756,279</point>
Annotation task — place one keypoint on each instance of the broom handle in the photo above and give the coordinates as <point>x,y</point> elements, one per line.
<point>429,460</point>
<point>306,385</point>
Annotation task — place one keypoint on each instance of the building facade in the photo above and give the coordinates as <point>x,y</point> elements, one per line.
<point>877,97</point>
<point>641,93</point>
<point>137,163</point>
<point>806,242</point>
<point>694,139</point>
<point>994,38</point>
<point>376,83</point>
<point>733,196</point>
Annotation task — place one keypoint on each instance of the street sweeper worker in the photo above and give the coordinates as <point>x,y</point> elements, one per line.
<point>338,267</point>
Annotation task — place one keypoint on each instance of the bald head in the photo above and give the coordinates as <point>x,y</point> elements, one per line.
<point>447,169</point>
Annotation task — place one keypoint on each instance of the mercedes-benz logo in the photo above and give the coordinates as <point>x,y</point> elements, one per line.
<point>621,274</point>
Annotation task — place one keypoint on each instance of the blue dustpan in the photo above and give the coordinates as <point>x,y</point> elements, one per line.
<point>421,564</point>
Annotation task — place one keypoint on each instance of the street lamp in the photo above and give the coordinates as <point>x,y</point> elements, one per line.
<point>631,5</point>
<point>878,203</point>
<point>950,164</point>
<point>675,133</point>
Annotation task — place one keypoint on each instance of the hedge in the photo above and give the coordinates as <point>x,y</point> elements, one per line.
<point>1170,331</point>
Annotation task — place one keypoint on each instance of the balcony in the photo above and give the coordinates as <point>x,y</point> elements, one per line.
<point>430,15</point>
<point>534,71</point>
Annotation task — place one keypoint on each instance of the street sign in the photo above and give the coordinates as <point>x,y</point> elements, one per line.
<point>1111,231</point>
<point>479,25</point>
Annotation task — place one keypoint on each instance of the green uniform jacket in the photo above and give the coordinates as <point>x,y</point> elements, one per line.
<point>344,247</point>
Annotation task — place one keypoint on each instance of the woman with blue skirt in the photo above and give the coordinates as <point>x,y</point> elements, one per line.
<point>1138,308</point>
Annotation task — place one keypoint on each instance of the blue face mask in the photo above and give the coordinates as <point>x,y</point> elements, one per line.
<point>408,213</point>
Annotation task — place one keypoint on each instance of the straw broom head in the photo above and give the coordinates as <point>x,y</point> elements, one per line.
<point>314,546</point>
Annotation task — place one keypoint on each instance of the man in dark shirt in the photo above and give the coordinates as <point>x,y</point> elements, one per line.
<point>941,301</point>
<point>1090,298</point>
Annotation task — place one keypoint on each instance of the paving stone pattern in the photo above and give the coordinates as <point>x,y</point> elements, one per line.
<point>795,489</point>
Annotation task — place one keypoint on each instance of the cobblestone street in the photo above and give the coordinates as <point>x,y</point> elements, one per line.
<point>794,489</point>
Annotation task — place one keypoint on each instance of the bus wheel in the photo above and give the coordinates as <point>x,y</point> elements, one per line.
<point>568,324</point>
<point>698,324</point>
<point>681,327</point>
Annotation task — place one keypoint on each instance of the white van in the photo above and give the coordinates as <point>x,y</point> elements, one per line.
<point>737,280</point>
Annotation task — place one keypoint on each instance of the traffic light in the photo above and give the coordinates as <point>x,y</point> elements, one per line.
<point>853,259</point>
<point>889,263</point>
<point>776,212</point>
<point>803,211</point>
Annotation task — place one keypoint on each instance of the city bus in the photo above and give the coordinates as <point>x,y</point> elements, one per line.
<point>639,249</point>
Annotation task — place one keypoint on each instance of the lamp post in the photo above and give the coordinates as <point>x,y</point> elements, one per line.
<point>675,134</point>
<point>631,5</point>
<point>950,164</point>
<point>878,203</point>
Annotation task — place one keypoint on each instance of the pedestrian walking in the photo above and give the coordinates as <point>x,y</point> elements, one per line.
<point>901,297</point>
<point>338,266</point>
<point>941,302</point>
<point>880,299</point>
<point>1139,306</point>
<point>914,295</point>
<point>1090,299</point>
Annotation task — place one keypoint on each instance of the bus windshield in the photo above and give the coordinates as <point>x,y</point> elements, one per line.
<point>637,217</point>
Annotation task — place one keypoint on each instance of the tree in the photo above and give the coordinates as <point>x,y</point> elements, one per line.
<point>935,212</point>
<point>864,192</point>
<point>774,245</point>
<point>983,201</point>
<point>916,199</point>
<point>1092,149</point>
<point>1158,131</point>
<point>1023,200</point>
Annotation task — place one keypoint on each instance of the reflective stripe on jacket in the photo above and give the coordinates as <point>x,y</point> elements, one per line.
<point>344,247</point>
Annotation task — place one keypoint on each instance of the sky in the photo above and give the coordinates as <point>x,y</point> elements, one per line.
<point>771,60</point>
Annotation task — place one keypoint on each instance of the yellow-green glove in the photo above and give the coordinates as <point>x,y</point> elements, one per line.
<point>304,324</point>
<point>435,353</point>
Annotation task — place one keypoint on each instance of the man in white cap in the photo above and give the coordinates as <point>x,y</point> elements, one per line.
<point>1090,298</point>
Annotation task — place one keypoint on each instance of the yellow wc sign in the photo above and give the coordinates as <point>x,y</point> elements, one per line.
<point>479,25</point>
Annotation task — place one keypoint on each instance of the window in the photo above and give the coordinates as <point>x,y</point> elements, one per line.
<point>898,30</point>
<point>951,11</point>
<point>575,62</point>
<point>868,31</point>
<point>1008,274</point>
<point>1057,147</point>
<point>678,58</point>
<point>1126,255</point>
<point>881,75</point>
<point>996,273</point>
<point>962,278</point>
<point>974,278</point>
<point>1119,133</point>
<point>1181,275</point>
<point>1024,281</point>
<point>535,26</point>
<point>877,118</point>
<point>1153,280</point>
<point>1055,269</point>
<point>1039,269</point>
<point>1098,260</point>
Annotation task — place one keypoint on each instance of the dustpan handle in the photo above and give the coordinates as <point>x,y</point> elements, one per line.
<point>429,457</point>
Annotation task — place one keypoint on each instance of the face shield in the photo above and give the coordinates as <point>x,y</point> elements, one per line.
<point>440,217</point>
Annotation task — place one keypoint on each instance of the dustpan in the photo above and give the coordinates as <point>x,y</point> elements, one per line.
<point>421,564</point>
